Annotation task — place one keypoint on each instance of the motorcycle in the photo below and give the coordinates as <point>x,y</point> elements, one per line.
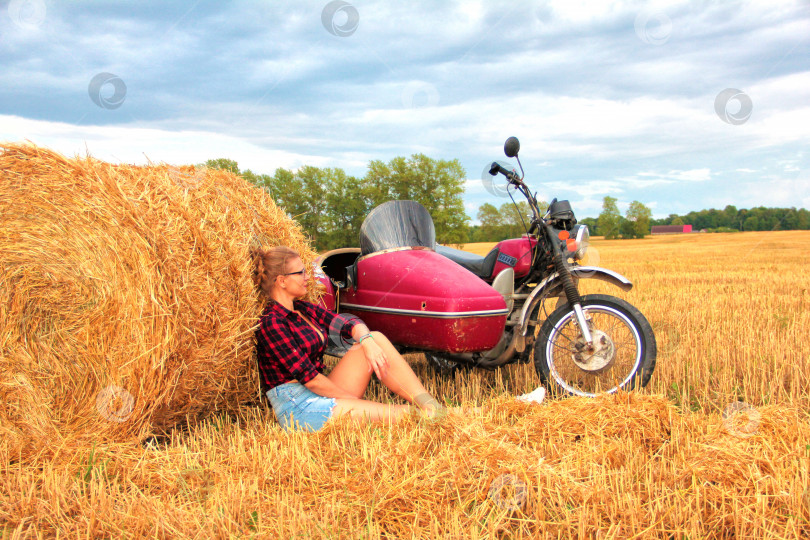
<point>465,310</point>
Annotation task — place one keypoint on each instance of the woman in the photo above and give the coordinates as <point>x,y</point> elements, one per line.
<point>291,340</point>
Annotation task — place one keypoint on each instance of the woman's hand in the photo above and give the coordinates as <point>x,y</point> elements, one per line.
<point>376,357</point>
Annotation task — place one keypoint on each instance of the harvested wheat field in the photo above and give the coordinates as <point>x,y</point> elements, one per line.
<point>718,445</point>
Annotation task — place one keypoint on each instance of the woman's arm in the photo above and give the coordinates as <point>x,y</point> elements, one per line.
<point>344,324</point>
<point>359,331</point>
<point>374,353</point>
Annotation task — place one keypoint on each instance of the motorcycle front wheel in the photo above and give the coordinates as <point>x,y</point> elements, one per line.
<point>624,348</point>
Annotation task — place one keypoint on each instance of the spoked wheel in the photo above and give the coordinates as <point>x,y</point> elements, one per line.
<point>623,352</point>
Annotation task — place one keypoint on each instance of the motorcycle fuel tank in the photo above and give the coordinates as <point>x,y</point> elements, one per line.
<point>515,253</point>
<point>422,300</point>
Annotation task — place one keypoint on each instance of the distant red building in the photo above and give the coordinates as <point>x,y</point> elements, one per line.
<point>671,229</point>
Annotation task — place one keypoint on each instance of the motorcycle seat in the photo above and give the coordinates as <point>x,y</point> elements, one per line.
<point>478,265</point>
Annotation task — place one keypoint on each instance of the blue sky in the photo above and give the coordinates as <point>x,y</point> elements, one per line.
<point>680,105</point>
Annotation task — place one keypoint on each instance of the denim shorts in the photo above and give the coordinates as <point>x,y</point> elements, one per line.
<point>296,406</point>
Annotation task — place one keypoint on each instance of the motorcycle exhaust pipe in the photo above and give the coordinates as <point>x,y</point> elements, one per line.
<point>504,358</point>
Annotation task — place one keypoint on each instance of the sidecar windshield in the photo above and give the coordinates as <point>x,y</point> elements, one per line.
<point>397,224</point>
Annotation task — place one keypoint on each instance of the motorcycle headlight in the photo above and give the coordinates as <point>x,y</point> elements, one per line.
<point>582,239</point>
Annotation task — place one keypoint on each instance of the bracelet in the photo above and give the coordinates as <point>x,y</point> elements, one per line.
<point>364,337</point>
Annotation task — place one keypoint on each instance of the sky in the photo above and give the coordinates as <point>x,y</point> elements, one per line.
<point>680,105</point>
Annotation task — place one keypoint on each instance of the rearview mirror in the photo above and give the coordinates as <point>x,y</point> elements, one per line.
<point>511,147</point>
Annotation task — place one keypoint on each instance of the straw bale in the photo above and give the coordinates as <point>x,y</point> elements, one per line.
<point>126,296</point>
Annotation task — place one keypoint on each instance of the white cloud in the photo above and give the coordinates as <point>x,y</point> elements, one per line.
<point>267,86</point>
<point>776,192</point>
<point>148,144</point>
<point>591,187</point>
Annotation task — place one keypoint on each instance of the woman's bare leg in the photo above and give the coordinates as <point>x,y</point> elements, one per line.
<point>400,377</point>
<point>363,410</point>
<point>353,374</point>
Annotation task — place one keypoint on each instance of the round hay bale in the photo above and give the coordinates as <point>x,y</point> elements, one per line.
<point>127,301</point>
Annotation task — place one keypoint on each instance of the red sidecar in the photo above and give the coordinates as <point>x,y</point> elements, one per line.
<point>399,285</point>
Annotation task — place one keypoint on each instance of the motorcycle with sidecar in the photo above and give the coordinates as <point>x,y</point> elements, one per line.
<point>520,303</point>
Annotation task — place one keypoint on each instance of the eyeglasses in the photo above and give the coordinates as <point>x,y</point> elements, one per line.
<point>302,273</point>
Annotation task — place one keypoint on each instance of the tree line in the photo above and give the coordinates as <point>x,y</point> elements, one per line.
<point>505,222</point>
<point>730,218</point>
<point>331,205</point>
<point>637,221</point>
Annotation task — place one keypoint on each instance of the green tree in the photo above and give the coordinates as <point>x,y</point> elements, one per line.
<point>513,225</point>
<point>670,220</point>
<point>592,225</point>
<point>741,215</point>
<point>438,185</point>
<point>347,204</point>
<point>627,229</point>
<point>491,223</point>
<point>790,221</point>
<point>610,218</point>
<point>505,222</point>
<point>264,181</point>
<point>678,221</point>
<point>729,217</point>
<point>302,195</point>
<point>639,215</point>
<point>223,164</point>
<point>803,219</point>
<point>474,234</point>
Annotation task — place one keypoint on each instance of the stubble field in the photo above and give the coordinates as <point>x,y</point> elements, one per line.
<point>731,314</point>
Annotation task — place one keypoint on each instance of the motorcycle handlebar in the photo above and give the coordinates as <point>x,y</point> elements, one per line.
<point>513,178</point>
<point>510,175</point>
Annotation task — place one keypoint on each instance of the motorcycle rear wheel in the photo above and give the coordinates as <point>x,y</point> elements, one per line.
<point>627,348</point>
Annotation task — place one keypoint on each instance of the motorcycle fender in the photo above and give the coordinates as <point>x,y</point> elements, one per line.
<point>581,272</point>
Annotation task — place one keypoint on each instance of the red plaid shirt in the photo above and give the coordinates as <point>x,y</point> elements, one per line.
<point>288,348</point>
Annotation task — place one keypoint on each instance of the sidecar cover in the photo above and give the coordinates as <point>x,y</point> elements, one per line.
<point>397,224</point>
<point>416,297</point>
